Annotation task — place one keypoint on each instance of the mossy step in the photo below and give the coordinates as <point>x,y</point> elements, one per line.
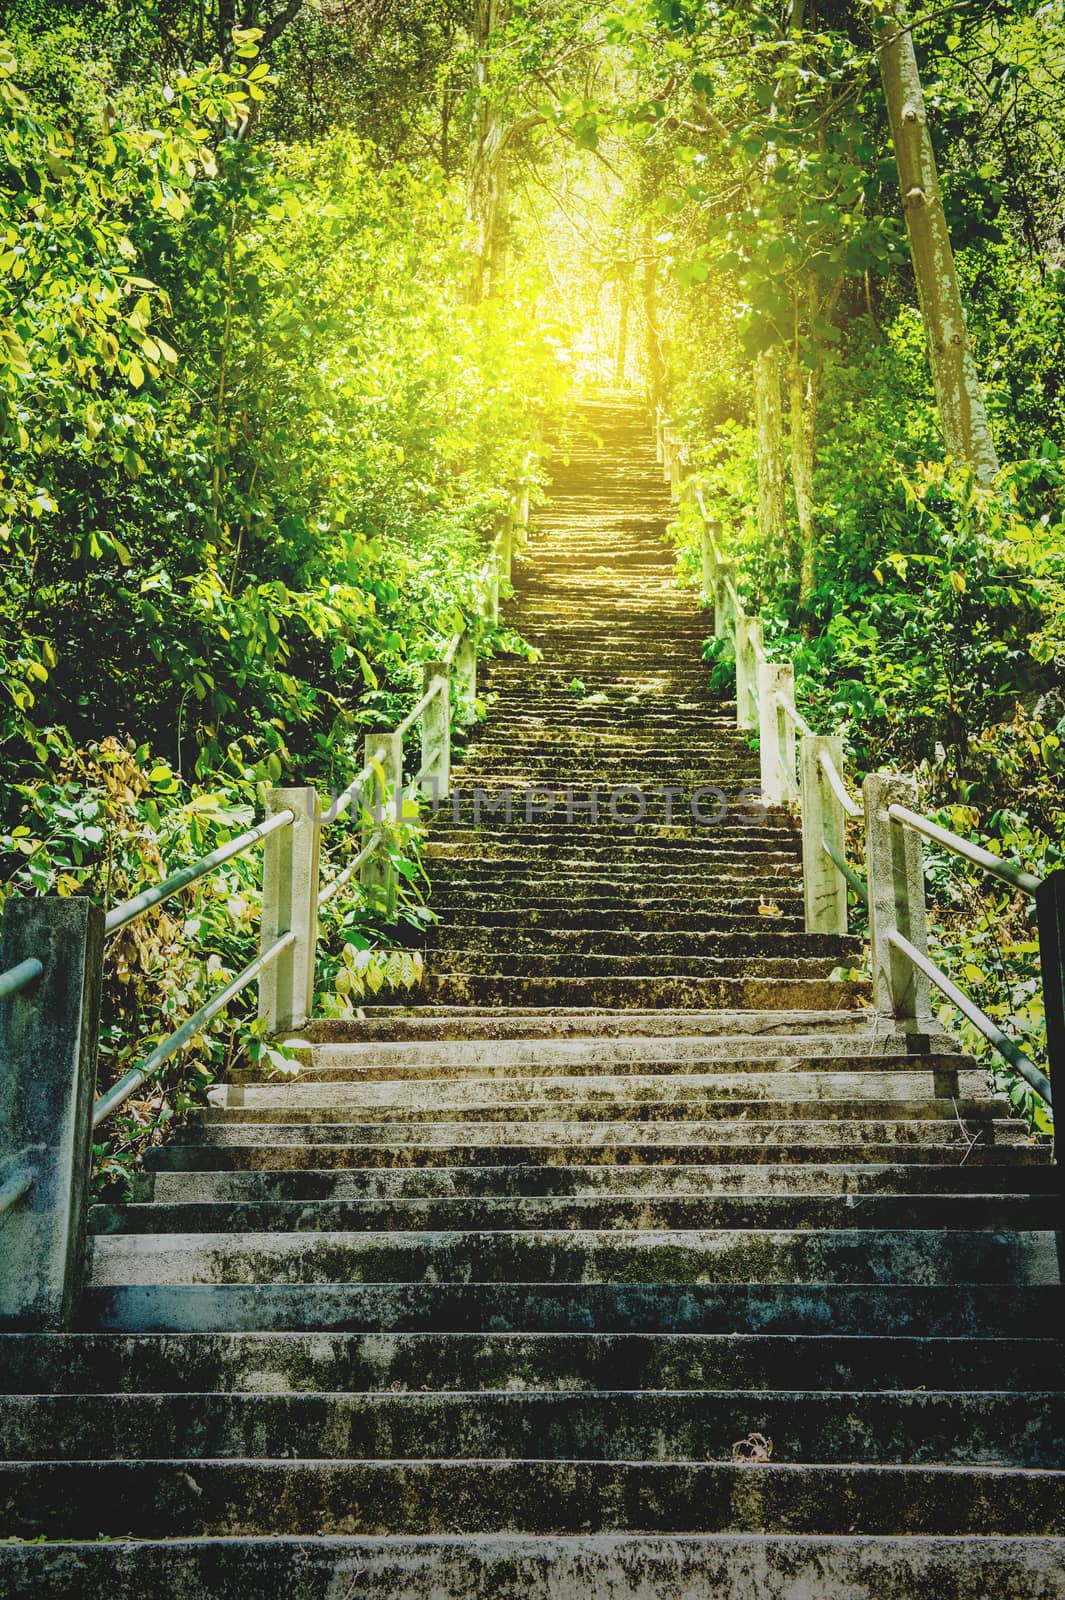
<point>192,1497</point>
<point>513,1567</point>
<point>335,1363</point>
<point>870,1310</point>
<point>951,1213</point>
<point>806,1427</point>
<point>856,1182</point>
<point>454,989</point>
<point>795,1256</point>
<point>277,1148</point>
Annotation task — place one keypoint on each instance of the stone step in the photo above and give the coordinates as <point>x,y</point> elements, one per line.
<point>814,1310</point>
<point>408,1060</point>
<point>347,1363</point>
<point>936,1427</point>
<point>740,1255</point>
<point>908,1080</point>
<point>277,1147</point>
<point>790,993</point>
<point>512,1567</point>
<point>199,1497</point>
<point>407,1023</point>
<point>644,1212</point>
<point>739,943</point>
<point>857,1182</point>
<point>593,1121</point>
<point>448,954</point>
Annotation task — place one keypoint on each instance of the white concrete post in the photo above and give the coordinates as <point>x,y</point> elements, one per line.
<point>434,779</point>
<point>748,646</point>
<point>708,560</point>
<point>505,547</point>
<point>823,819</point>
<point>48,1039</point>
<point>290,904</point>
<point>896,900</point>
<point>384,808</point>
<point>776,732</point>
<point>464,674</point>
<point>724,604</point>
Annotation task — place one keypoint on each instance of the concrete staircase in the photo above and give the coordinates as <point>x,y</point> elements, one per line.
<point>640,1260</point>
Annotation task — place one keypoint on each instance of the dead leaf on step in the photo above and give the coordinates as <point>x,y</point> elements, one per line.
<point>756,1447</point>
<point>767,908</point>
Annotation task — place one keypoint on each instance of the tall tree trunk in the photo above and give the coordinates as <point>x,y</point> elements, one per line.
<point>769,432</point>
<point>963,417</point>
<point>621,353</point>
<point>656,362</point>
<point>486,184</point>
<point>804,388</point>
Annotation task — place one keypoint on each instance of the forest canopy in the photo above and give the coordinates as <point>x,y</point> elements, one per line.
<point>288,290</point>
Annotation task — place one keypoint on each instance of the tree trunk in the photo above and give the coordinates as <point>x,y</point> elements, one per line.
<point>963,418</point>
<point>486,185</point>
<point>656,364</point>
<point>621,353</point>
<point>769,430</point>
<point>804,389</point>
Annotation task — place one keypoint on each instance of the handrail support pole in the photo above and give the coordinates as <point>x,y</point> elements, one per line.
<point>435,730</point>
<point>823,821</point>
<point>48,1043</point>
<point>776,732</point>
<point>290,904</point>
<point>378,876</point>
<point>748,648</point>
<point>896,902</point>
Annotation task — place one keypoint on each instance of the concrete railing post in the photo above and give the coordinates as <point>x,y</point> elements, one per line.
<point>464,675</point>
<point>505,547</point>
<point>290,904</point>
<point>659,425</point>
<point>748,648</point>
<point>384,806</point>
<point>48,1040</point>
<point>708,560</point>
<point>776,732</point>
<point>896,900</point>
<point>724,604</point>
<point>434,777</point>
<point>823,820</point>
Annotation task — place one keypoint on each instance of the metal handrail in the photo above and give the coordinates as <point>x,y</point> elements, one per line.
<point>12,1190</point>
<point>131,1081</point>
<point>1008,871</point>
<point>20,977</point>
<point>343,801</point>
<point>129,910</point>
<point>979,1019</point>
<point>353,866</point>
<point>857,883</point>
<point>838,787</point>
<point>796,716</point>
<point>423,704</point>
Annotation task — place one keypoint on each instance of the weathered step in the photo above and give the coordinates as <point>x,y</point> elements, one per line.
<point>275,1147</point>
<point>455,1214</point>
<point>341,1363</point>
<point>738,943</point>
<point>452,956</point>
<point>409,1024</point>
<point>588,1123</point>
<point>904,1079</point>
<point>869,1310</point>
<point>639,992</point>
<point>577,1056</point>
<point>827,1255</point>
<point>652,1425</point>
<point>854,1181</point>
<point>512,1567</point>
<point>157,1498</point>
